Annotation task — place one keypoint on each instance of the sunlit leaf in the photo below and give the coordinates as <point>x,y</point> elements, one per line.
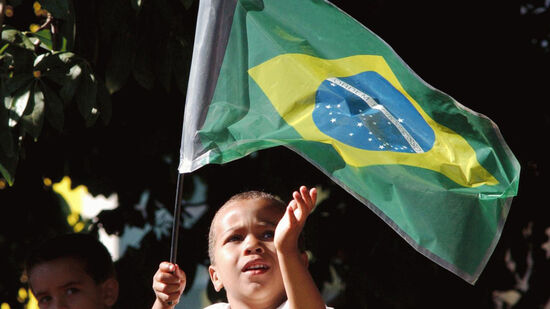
<point>44,37</point>
<point>18,103</point>
<point>53,67</point>
<point>17,38</point>
<point>33,117</point>
<point>8,154</point>
<point>6,141</point>
<point>68,90</point>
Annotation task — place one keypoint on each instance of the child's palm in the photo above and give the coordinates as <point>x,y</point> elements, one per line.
<point>291,224</point>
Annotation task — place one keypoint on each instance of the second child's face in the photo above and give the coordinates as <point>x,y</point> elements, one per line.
<point>63,283</point>
<point>246,262</point>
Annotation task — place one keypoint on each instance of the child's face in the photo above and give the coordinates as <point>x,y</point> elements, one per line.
<point>63,283</point>
<point>246,263</point>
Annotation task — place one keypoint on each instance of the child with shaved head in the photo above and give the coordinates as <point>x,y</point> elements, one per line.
<point>254,254</point>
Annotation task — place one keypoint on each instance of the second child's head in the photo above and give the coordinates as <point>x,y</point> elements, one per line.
<point>72,271</point>
<point>241,249</point>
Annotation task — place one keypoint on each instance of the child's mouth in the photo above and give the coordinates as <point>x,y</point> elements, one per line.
<point>255,268</point>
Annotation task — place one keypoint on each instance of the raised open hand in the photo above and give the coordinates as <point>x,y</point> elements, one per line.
<point>291,224</point>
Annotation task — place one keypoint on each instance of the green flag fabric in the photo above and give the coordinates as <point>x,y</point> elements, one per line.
<point>305,75</point>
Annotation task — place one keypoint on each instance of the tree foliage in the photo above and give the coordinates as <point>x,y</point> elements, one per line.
<point>94,90</point>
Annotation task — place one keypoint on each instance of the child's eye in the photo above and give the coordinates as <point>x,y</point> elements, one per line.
<point>44,299</point>
<point>233,238</point>
<point>71,291</point>
<point>268,235</point>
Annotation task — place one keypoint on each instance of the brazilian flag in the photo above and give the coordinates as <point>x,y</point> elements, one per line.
<point>304,74</point>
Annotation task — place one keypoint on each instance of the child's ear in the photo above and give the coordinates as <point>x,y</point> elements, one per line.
<point>216,280</point>
<point>110,291</point>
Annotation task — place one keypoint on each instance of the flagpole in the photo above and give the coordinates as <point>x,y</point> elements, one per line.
<point>176,222</point>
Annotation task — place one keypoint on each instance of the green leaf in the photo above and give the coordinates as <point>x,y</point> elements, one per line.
<point>45,38</point>
<point>55,67</point>
<point>8,165</point>
<point>33,118</point>
<point>72,83</point>
<point>17,104</point>
<point>86,97</point>
<point>3,49</point>
<point>58,8</point>
<point>17,38</point>
<point>66,35</point>
<point>54,107</point>
<point>6,139</point>
<point>18,82</point>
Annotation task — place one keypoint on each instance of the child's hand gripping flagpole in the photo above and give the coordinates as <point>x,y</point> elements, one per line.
<point>176,221</point>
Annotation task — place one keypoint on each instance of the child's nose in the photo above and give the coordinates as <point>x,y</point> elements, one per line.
<point>253,246</point>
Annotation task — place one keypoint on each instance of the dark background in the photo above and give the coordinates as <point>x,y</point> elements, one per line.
<point>484,54</point>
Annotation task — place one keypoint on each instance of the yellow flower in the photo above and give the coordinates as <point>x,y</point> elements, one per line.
<point>9,11</point>
<point>34,27</point>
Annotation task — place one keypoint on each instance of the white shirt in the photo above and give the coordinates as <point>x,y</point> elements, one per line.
<point>284,305</point>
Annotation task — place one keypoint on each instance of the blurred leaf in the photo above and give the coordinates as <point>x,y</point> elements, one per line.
<point>121,62</point>
<point>15,2</point>
<point>54,107</point>
<point>187,3</point>
<point>33,118</point>
<point>8,164</point>
<point>143,68</point>
<point>86,96</point>
<point>65,35</point>
<point>58,8</point>
<point>104,103</point>
<point>136,4</point>
<point>181,57</point>
<point>4,48</point>
<point>164,64</point>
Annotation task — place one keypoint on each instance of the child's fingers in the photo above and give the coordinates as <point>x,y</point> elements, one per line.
<point>305,196</point>
<point>167,267</point>
<point>302,209</point>
<point>291,216</point>
<point>169,299</point>
<point>313,196</point>
<point>161,287</point>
